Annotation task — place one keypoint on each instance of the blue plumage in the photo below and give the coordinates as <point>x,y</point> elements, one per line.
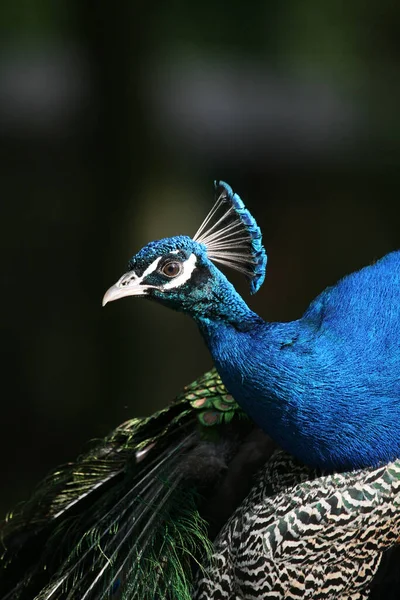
<point>327,386</point>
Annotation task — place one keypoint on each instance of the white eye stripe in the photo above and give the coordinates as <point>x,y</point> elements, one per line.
<point>151,268</point>
<point>131,279</point>
<point>188,267</point>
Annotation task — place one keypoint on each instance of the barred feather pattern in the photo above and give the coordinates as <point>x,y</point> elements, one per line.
<point>300,534</point>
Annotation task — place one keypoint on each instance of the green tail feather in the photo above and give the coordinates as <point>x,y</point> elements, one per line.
<point>123,520</point>
<point>130,519</point>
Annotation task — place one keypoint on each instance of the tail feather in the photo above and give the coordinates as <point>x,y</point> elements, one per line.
<point>123,521</point>
<point>132,519</point>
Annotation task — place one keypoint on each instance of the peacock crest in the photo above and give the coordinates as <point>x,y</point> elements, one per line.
<point>232,236</point>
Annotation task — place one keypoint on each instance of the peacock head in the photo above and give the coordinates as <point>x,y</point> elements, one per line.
<point>179,271</point>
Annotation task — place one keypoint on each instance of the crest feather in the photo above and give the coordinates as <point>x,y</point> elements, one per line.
<point>232,236</point>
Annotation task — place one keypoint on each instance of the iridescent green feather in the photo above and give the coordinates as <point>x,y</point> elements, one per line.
<point>124,516</point>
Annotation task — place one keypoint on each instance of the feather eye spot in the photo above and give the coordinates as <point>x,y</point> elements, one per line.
<point>210,417</point>
<point>199,402</point>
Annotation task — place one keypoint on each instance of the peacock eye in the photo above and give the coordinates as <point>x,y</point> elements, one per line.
<point>172,268</point>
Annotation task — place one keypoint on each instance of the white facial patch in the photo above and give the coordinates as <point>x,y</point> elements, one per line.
<point>150,268</point>
<point>130,284</point>
<point>187,269</point>
<point>131,277</point>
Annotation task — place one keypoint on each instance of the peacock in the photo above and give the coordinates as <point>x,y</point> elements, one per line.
<point>135,517</point>
<point>275,475</point>
<point>326,387</point>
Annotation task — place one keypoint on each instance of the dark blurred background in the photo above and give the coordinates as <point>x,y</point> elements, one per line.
<point>114,121</point>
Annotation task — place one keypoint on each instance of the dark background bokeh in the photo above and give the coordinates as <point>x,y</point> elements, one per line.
<point>114,121</point>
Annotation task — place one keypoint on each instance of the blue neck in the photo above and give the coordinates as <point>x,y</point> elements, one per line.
<point>260,365</point>
<point>247,352</point>
<point>325,386</point>
<point>240,341</point>
<point>270,371</point>
<point>234,317</point>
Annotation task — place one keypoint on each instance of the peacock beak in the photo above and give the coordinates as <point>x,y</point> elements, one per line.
<point>128,285</point>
